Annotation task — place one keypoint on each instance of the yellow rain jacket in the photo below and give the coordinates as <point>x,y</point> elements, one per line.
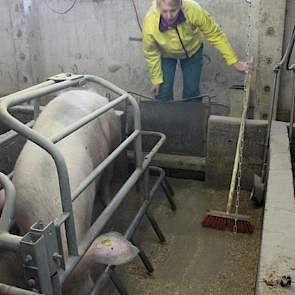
<point>157,44</point>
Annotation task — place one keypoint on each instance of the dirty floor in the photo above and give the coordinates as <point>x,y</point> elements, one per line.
<point>194,260</point>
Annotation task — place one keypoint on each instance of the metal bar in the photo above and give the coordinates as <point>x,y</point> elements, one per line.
<point>50,148</point>
<point>65,191</point>
<point>24,109</point>
<point>143,257</point>
<point>36,108</point>
<point>168,196</point>
<point>169,193</point>
<point>25,95</point>
<point>101,222</point>
<point>168,186</point>
<point>9,290</point>
<point>137,119</point>
<point>9,242</point>
<point>65,132</point>
<point>118,284</point>
<point>59,161</point>
<point>130,231</point>
<point>8,136</point>
<point>10,175</point>
<point>8,212</point>
<point>292,111</point>
<point>104,217</point>
<point>36,269</point>
<point>38,86</point>
<point>156,227</point>
<point>99,169</point>
<point>156,147</point>
<point>100,283</point>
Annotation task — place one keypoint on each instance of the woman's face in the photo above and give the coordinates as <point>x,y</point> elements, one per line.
<point>168,12</point>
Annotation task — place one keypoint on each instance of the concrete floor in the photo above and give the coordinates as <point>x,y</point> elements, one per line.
<point>194,260</point>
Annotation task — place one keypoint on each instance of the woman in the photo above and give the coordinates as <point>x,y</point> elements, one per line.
<point>173,30</point>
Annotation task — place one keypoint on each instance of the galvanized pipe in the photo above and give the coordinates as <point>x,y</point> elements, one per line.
<point>38,86</point>
<point>136,110</point>
<point>292,110</point>
<point>8,212</point>
<point>8,241</point>
<point>62,171</point>
<point>24,96</point>
<point>67,131</point>
<point>20,97</point>
<point>131,229</point>
<point>36,109</point>
<point>137,219</point>
<point>8,136</point>
<point>9,290</point>
<point>104,217</point>
<point>100,168</point>
<point>14,124</point>
<point>24,109</point>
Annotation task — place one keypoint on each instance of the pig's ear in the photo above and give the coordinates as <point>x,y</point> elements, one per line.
<point>112,248</point>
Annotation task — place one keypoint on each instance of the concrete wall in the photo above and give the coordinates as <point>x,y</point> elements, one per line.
<point>221,147</point>
<point>94,37</point>
<point>277,256</point>
<point>286,82</point>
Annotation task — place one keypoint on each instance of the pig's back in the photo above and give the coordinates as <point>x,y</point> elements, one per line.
<point>35,176</point>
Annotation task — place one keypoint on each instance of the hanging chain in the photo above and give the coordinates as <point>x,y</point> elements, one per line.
<point>249,27</point>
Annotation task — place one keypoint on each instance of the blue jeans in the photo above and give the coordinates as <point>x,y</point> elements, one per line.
<point>191,73</point>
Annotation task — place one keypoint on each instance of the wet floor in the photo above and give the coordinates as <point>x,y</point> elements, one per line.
<point>193,260</point>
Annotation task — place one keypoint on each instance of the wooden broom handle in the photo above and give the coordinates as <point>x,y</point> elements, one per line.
<point>241,135</point>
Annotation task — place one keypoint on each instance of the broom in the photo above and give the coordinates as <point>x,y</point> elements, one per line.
<point>225,220</point>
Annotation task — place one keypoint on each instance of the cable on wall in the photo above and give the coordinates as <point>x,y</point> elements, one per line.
<point>60,12</point>
<point>137,15</point>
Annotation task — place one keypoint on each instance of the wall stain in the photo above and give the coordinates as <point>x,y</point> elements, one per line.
<point>22,56</point>
<point>114,68</point>
<point>98,1</point>
<point>78,55</point>
<point>75,69</point>
<point>61,68</point>
<point>19,33</point>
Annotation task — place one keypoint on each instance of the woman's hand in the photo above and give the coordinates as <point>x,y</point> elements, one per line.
<point>155,89</point>
<point>243,66</point>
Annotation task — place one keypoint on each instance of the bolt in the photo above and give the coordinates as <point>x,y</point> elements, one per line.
<point>266,88</point>
<point>40,224</point>
<point>268,60</point>
<point>28,258</point>
<point>270,31</point>
<point>31,283</point>
<point>57,258</point>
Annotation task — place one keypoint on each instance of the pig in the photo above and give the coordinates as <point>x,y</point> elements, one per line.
<point>36,180</point>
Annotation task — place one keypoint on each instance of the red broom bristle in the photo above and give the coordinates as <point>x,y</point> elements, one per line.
<point>223,223</point>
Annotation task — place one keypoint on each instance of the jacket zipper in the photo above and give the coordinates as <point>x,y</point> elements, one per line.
<point>181,42</point>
